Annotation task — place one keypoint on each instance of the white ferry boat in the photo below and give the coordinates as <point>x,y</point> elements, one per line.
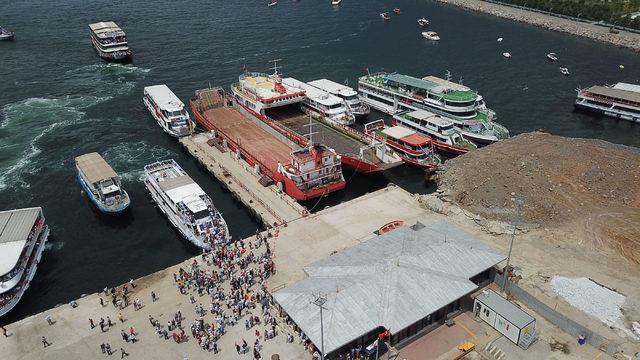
<point>23,235</point>
<point>621,101</point>
<point>110,42</point>
<point>347,94</point>
<point>101,184</point>
<point>185,204</point>
<point>329,108</point>
<point>443,133</point>
<point>168,110</point>
<point>391,93</point>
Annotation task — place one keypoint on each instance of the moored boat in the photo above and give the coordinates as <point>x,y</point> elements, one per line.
<point>101,184</point>
<point>423,22</point>
<point>110,42</point>
<point>7,35</point>
<point>185,204</point>
<point>431,35</point>
<point>304,173</point>
<point>413,148</point>
<point>392,93</point>
<point>442,131</point>
<point>322,104</point>
<point>347,94</point>
<point>620,101</point>
<point>167,110</point>
<point>270,100</point>
<point>23,236</point>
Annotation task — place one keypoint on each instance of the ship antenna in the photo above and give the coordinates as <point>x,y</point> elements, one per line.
<point>311,132</point>
<point>275,66</point>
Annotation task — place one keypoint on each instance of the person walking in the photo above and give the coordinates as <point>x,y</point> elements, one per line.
<point>4,331</point>
<point>123,353</point>
<point>153,296</point>
<point>108,348</point>
<point>45,343</point>
<point>121,318</point>
<point>91,323</point>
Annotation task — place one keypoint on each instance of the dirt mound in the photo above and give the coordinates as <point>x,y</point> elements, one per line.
<point>561,181</point>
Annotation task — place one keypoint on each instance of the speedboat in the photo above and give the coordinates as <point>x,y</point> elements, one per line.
<point>385,16</point>
<point>423,22</point>
<point>7,35</point>
<point>506,54</point>
<point>431,35</point>
<point>552,56</point>
<point>499,39</point>
<point>396,11</point>
<point>272,3</point>
<point>564,71</point>
<point>336,2</point>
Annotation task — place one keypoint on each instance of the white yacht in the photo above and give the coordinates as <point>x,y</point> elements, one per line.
<point>621,101</point>
<point>185,204</point>
<point>506,55</point>
<point>423,22</point>
<point>347,94</point>
<point>431,35</point>
<point>23,235</point>
<point>322,104</point>
<point>168,110</point>
<point>110,42</point>
<point>101,184</point>
<point>564,71</point>
<point>336,2</point>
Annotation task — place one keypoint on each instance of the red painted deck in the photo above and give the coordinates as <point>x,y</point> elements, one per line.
<point>261,145</point>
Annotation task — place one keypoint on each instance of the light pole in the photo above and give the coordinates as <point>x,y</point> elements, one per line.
<point>319,302</point>
<point>517,203</point>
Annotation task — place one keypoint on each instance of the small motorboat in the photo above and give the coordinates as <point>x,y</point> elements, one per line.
<point>499,39</point>
<point>272,3</point>
<point>7,35</point>
<point>431,35</point>
<point>423,22</point>
<point>336,2</point>
<point>385,16</point>
<point>396,11</point>
<point>552,56</point>
<point>621,66</point>
<point>507,55</point>
<point>564,71</point>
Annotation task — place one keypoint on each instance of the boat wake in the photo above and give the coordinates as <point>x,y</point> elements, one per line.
<point>41,116</point>
<point>129,159</point>
<point>28,125</point>
<point>55,246</point>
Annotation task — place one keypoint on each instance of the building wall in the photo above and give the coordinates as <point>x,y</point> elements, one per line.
<point>507,329</point>
<point>484,313</point>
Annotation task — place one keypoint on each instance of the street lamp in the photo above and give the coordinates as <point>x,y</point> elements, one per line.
<point>518,203</point>
<point>319,302</point>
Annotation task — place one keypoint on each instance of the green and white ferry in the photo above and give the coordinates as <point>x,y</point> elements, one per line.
<point>392,93</point>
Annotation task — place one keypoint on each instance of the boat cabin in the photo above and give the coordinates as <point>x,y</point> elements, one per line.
<point>99,178</point>
<point>167,106</point>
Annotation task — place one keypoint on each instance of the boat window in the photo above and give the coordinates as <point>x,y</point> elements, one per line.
<point>351,97</point>
<point>335,106</point>
<point>201,214</point>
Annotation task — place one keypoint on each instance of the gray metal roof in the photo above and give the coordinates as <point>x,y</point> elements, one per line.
<point>94,167</point>
<point>414,82</point>
<point>615,93</point>
<point>390,281</point>
<point>15,226</point>
<point>505,308</point>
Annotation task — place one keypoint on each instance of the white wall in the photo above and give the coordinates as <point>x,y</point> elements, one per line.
<point>506,328</point>
<point>486,314</point>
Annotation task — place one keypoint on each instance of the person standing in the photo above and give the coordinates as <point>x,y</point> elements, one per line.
<point>153,296</point>
<point>108,348</point>
<point>121,318</point>
<point>45,343</point>
<point>103,348</point>
<point>4,331</point>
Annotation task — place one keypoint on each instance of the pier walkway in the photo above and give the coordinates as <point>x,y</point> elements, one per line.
<point>270,205</point>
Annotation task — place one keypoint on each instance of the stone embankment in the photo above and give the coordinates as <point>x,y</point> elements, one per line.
<point>592,31</point>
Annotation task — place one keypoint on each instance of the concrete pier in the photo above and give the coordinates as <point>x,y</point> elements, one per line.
<point>272,206</point>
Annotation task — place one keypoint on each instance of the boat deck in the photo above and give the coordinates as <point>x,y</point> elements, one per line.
<point>252,139</point>
<point>298,122</point>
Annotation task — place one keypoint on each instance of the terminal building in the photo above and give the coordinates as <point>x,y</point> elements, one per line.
<point>407,281</point>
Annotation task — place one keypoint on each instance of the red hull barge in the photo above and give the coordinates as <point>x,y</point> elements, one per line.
<point>304,174</point>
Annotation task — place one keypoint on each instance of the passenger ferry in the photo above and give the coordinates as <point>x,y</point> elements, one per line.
<point>110,42</point>
<point>322,104</point>
<point>621,101</point>
<point>442,131</point>
<point>23,235</point>
<point>168,110</point>
<point>347,94</point>
<point>392,93</point>
<point>413,148</point>
<point>101,184</point>
<point>270,100</point>
<point>185,204</point>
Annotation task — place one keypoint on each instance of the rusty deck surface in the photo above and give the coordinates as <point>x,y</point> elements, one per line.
<point>250,137</point>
